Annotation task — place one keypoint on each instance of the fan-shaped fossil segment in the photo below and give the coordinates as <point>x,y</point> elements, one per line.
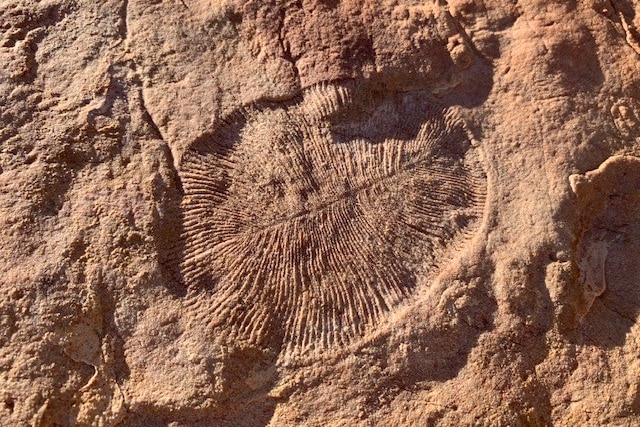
<point>312,219</point>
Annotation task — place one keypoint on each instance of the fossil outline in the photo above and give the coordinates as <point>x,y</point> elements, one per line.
<point>313,218</point>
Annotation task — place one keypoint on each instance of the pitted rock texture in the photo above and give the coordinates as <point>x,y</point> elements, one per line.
<point>512,302</point>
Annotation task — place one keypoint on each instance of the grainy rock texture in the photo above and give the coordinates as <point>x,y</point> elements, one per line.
<point>319,212</point>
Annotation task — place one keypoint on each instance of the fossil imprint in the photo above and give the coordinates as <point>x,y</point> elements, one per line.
<point>311,219</point>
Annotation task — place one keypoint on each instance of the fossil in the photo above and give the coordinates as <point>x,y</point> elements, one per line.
<point>592,256</point>
<point>312,219</point>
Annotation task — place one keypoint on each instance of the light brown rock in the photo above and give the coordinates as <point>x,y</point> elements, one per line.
<point>527,314</point>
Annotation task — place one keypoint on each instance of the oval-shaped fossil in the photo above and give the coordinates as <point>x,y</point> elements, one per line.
<point>311,219</point>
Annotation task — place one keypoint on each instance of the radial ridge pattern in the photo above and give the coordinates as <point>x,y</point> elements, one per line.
<point>312,219</point>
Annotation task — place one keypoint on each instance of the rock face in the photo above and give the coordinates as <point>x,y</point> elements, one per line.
<point>319,212</point>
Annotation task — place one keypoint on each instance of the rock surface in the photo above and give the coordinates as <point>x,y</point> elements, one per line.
<point>511,299</point>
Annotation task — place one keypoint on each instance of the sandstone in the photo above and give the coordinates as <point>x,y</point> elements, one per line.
<point>319,212</point>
